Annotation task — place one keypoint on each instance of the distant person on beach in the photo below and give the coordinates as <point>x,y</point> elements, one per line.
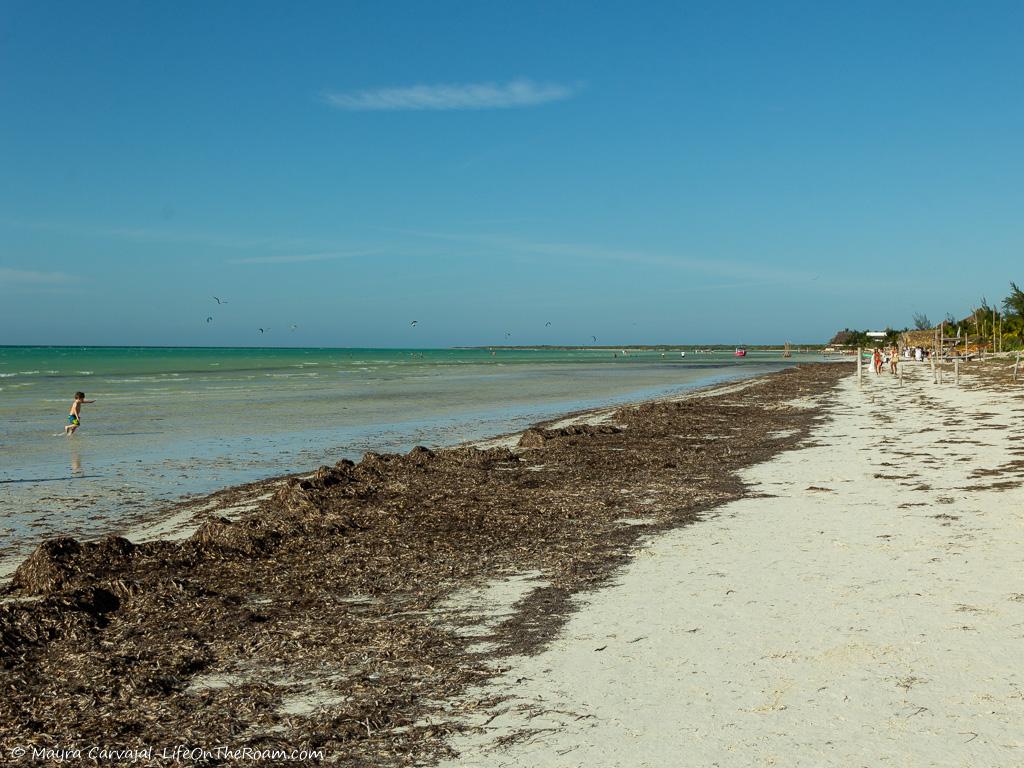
<point>878,361</point>
<point>918,354</point>
<point>894,358</point>
<point>75,415</point>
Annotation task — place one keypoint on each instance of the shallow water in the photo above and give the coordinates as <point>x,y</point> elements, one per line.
<point>171,423</point>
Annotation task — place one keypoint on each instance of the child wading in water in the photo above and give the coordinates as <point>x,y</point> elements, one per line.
<point>75,415</point>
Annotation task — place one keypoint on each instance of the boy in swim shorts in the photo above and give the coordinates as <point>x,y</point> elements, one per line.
<point>75,415</point>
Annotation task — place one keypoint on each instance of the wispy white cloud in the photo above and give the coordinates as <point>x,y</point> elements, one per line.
<point>517,93</point>
<point>10,276</point>
<point>170,236</point>
<point>299,258</point>
<point>746,272</point>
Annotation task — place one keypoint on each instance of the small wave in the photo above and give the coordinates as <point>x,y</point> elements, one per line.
<point>7,375</point>
<point>28,373</point>
<point>83,373</point>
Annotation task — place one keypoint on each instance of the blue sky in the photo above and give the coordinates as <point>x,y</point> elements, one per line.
<point>654,172</point>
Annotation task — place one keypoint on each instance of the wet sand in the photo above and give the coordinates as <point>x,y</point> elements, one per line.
<point>333,614</point>
<point>863,604</point>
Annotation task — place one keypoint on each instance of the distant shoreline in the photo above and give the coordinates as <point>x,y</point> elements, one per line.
<point>560,347</point>
<point>813,348</point>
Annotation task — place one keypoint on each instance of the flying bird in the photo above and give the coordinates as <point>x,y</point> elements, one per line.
<point>293,327</point>
<point>260,330</point>
<point>594,338</point>
<point>547,323</point>
<point>209,319</point>
<point>220,300</point>
<point>507,334</point>
<point>414,322</point>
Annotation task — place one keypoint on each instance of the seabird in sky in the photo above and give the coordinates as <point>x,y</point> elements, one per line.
<point>209,319</point>
<point>220,300</point>
<point>547,323</point>
<point>414,322</point>
<point>594,338</point>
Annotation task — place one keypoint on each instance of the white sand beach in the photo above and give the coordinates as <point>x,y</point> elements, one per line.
<point>863,606</point>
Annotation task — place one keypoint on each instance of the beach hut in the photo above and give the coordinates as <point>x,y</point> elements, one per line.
<point>924,339</point>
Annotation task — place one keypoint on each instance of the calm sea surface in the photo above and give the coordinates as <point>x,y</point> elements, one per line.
<point>170,423</point>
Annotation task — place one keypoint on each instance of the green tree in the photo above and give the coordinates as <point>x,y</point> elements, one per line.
<point>1014,303</point>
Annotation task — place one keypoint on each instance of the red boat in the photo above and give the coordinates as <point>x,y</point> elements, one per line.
<point>741,352</point>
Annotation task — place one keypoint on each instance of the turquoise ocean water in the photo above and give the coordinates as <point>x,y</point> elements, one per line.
<point>172,423</point>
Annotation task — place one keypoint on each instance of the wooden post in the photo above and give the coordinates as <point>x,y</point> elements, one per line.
<point>899,367</point>
<point>860,369</point>
<point>956,370</point>
<point>1016,367</point>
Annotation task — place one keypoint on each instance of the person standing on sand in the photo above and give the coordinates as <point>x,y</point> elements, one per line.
<point>75,415</point>
<point>878,361</point>
<point>894,358</point>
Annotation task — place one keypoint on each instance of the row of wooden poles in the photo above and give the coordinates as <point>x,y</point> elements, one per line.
<point>936,368</point>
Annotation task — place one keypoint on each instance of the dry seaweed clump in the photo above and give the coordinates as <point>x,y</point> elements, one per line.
<point>535,437</point>
<point>313,621</point>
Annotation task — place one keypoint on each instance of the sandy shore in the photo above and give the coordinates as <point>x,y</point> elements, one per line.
<point>340,612</point>
<point>862,606</point>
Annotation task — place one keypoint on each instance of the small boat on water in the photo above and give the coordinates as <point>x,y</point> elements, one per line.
<point>740,352</point>
<point>682,354</point>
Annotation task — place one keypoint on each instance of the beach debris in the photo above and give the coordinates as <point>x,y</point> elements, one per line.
<point>535,437</point>
<point>63,561</point>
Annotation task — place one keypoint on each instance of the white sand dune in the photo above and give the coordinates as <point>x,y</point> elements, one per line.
<point>868,612</point>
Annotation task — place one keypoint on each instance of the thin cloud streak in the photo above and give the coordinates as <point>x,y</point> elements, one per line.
<point>717,267</point>
<point>299,258</point>
<point>10,276</point>
<point>466,96</point>
<point>159,236</point>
